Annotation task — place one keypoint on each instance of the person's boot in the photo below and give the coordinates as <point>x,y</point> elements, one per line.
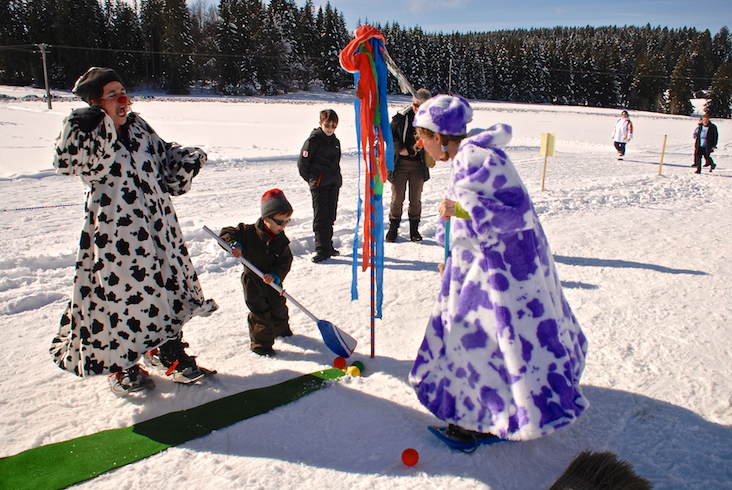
<point>413,233</point>
<point>181,367</point>
<point>391,235</point>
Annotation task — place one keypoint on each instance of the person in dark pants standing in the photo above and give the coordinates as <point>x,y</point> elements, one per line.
<point>706,137</point>
<point>320,165</point>
<point>409,166</point>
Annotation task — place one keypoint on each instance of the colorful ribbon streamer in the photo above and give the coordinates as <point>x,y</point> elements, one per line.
<point>364,57</point>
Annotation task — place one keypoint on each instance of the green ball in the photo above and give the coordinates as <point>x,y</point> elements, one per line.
<point>359,365</point>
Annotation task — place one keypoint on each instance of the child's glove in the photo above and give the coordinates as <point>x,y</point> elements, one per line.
<point>89,118</point>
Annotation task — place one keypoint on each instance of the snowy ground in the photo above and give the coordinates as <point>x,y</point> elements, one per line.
<point>645,261</point>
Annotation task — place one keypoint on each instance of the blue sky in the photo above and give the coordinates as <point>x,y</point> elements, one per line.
<point>489,15</point>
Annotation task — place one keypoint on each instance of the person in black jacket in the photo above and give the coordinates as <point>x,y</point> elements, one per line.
<point>320,165</point>
<point>409,166</point>
<point>706,137</point>
<point>265,245</point>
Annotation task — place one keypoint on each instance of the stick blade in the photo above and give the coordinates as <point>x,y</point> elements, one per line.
<point>336,339</point>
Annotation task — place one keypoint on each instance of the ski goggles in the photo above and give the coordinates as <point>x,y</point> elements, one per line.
<point>280,222</point>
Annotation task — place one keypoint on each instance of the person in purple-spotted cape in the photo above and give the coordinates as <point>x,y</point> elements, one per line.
<point>503,353</point>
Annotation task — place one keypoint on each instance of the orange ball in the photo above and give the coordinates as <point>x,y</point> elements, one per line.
<point>410,457</point>
<point>339,362</point>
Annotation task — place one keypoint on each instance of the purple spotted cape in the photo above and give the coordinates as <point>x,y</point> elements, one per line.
<point>503,352</point>
<point>134,284</point>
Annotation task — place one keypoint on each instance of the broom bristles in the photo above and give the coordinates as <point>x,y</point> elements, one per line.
<point>600,471</point>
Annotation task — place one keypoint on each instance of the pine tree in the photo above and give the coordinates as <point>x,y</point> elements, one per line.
<point>125,38</point>
<point>334,38</point>
<point>721,47</point>
<point>306,32</point>
<point>701,61</point>
<point>605,62</point>
<point>559,77</point>
<point>177,44</point>
<point>278,47</point>
<point>153,32</point>
<point>720,93</point>
<point>238,40</point>
<point>679,95</point>
<point>79,27</point>
<point>647,85</point>
<point>204,25</point>
<point>15,63</point>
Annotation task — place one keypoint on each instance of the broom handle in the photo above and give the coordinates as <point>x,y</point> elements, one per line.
<point>254,269</point>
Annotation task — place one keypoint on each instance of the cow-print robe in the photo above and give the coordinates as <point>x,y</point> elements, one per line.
<point>503,352</point>
<point>134,284</point>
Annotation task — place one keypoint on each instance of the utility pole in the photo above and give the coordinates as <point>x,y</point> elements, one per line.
<point>43,48</point>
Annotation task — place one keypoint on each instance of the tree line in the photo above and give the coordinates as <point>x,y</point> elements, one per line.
<point>249,47</point>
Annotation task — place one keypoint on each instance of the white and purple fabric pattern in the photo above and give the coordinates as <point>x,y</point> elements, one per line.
<point>503,352</point>
<point>444,114</point>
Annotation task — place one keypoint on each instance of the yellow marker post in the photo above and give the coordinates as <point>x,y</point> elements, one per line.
<point>662,153</point>
<point>547,150</point>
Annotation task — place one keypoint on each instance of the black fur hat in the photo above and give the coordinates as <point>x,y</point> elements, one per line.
<point>91,83</point>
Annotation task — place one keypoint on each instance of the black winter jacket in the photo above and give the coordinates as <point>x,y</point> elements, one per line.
<point>403,134</point>
<point>271,256</point>
<point>320,160</point>
<point>712,136</point>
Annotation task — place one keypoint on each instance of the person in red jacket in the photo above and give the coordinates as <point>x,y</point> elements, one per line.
<point>320,165</point>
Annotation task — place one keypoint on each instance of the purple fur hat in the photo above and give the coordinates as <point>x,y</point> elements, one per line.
<point>444,114</point>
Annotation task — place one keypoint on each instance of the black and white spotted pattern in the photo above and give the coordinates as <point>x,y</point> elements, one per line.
<point>134,285</point>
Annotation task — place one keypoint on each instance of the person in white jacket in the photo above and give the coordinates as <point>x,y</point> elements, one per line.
<point>622,133</point>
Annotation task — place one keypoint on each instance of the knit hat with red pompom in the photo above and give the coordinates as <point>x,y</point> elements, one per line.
<point>273,202</point>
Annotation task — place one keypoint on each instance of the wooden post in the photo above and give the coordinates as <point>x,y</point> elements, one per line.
<point>45,73</point>
<point>546,150</point>
<point>663,151</point>
<point>543,176</point>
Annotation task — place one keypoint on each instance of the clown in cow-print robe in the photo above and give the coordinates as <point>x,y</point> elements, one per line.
<point>134,285</point>
<point>503,352</point>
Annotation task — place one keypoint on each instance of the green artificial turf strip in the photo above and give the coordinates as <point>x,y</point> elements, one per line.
<point>65,463</point>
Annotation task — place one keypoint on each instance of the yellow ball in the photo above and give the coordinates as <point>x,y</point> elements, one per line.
<point>353,371</point>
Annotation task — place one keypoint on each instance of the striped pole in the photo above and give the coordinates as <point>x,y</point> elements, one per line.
<point>373,303</point>
<point>373,269</point>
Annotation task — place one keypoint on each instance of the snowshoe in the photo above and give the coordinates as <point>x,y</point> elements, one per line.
<point>130,380</point>
<point>463,440</point>
<point>172,360</point>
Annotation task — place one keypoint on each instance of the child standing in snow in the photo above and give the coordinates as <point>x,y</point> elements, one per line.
<point>622,133</point>
<point>265,245</point>
<point>503,354</point>
<point>319,164</point>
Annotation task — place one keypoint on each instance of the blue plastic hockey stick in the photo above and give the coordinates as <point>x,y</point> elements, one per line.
<point>335,339</point>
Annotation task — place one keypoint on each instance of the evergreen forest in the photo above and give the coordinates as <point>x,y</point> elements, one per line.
<point>251,47</point>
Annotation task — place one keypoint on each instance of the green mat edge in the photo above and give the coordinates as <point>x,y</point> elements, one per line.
<point>59,465</point>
